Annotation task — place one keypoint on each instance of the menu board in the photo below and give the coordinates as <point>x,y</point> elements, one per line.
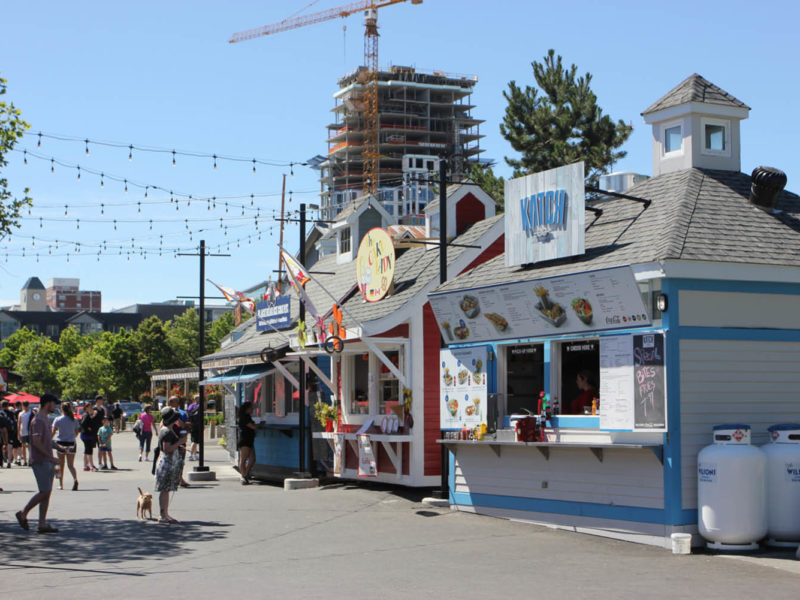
<point>462,377</point>
<point>580,303</point>
<point>367,465</point>
<point>633,383</point>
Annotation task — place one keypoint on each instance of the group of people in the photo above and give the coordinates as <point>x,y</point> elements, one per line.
<point>14,435</point>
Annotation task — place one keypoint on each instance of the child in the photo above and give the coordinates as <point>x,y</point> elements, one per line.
<point>104,439</point>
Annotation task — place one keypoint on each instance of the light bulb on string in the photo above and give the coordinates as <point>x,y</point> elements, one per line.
<point>139,205</point>
<point>170,197</point>
<point>52,166</point>
<point>65,210</point>
<point>189,201</point>
<point>173,158</point>
<point>41,224</point>
<point>226,207</point>
<point>215,161</point>
<point>87,146</point>
<point>254,166</point>
<point>33,242</point>
<point>208,203</point>
<point>102,209</point>
<point>25,157</point>
<point>102,183</point>
<point>37,257</point>
<point>126,186</point>
<point>39,143</point>
<point>77,223</point>
<point>251,200</point>
<point>151,224</point>
<point>145,190</point>
<point>115,224</point>
<point>79,172</point>
<point>67,256</point>
<point>220,223</point>
<point>130,152</point>
<point>291,169</point>
<point>214,202</point>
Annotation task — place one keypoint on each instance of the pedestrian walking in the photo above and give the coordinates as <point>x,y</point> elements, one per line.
<point>104,435</point>
<point>116,413</point>
<point>43,464</point>
<point>12,442</point>
<point>65,428</point>
<point>168,468</point>
<point>24,434</point>
<point>146,436</point>
<point>195,426</point>
<point>175,404</point>
<point>247,436</point>
<point>89,431</point>
<point>5,427</point>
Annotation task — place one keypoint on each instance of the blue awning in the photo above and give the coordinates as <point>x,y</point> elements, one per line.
<point>239,375</point>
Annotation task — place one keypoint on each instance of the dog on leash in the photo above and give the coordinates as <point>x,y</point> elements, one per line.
<point>144,503</point>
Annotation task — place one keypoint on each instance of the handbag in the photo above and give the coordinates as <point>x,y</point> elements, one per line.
<point>137,428</point>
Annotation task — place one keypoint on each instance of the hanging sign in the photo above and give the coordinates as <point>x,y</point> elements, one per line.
<point>375,265</point>
<point>273,314</point>
<point>545,216</point>
<point>633,383</point>
<point>580,303</point>
<point>462,385</point>
<point>367,466</point>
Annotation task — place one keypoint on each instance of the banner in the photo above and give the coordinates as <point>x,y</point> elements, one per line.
<point>580,303</point>
<point>273,314</point>
<point>367,466</point>
<point>338,453</point>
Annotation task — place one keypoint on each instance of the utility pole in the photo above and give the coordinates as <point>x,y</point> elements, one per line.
<point>283,220</point>
<point>444,484</point>
<point>301,378</point>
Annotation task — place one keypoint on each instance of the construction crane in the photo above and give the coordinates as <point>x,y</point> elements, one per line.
<point>369,153</point>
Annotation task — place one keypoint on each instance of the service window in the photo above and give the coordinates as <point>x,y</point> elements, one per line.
<point>267,396</point>
<point>388,385</point>
<point>524,378</point>
<point>580,376</point>
<point>359,392</point>
<point>254,392</point>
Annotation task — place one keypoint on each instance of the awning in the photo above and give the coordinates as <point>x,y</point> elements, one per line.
<point>22,397</point>
<point>239,375</point>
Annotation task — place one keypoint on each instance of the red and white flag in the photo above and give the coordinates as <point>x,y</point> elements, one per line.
<point>298,278</point>
<point>232,295</point>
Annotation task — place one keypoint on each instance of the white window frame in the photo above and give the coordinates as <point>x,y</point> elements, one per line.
<point>726,125</point>
<point>664,128</point>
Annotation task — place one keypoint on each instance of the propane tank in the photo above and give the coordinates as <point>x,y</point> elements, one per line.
<point>732,490</point>
<point>783,485</point>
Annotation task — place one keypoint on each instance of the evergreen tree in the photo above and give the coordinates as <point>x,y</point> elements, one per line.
<point>560,122</point>
<point>491,184</point>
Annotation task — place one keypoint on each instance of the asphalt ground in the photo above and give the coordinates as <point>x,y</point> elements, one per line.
<point>337,541</point>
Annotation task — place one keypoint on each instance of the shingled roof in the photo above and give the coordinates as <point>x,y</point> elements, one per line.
<point>696,214</point>
<point>695,88</point>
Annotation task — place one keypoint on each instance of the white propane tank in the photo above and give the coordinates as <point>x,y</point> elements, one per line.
<point>732,490</point>
<point>783,485</point>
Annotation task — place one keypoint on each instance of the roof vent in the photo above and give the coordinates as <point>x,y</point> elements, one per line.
<point>766,187</point>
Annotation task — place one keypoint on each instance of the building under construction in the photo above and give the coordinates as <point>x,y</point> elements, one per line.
<point>421,115</point>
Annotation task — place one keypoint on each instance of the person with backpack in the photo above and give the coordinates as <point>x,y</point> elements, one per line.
<point>195,426</point>
<point>12,442</point>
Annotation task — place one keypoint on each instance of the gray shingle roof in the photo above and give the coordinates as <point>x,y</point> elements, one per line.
<point>696,214</point>
<point>695,88</point>
<point>33,283</point>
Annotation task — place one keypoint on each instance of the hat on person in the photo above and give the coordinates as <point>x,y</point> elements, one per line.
<point>169,415</point>
<point>99,397</point>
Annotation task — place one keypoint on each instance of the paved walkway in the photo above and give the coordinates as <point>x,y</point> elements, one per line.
<point>341,541</point>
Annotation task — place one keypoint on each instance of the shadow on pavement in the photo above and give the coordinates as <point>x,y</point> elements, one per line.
<point>108,541</point>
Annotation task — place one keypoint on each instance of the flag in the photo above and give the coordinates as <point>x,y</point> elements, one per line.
<point>232,295</point>
<point>271,293</point>
<point>298,277</point>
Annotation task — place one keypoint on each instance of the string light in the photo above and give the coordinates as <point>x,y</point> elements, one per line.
<point>87,146</point>
<point>215,162</point>
<point>126,186</point>
<point>102,183</point>
<point>25,154</point>
<point>52,166</point>
<point>79,172</point>
<point>130,153</point>
<point>39,143</point>
<point>173,158</point>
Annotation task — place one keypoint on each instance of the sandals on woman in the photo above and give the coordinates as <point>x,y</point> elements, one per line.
<point>46,529</point>
<point>168,520</point>
<point>23,522</point>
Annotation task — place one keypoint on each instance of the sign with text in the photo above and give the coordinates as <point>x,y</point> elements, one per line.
<point>462,385</point>
<point>545,216</point>
<point>367,466</point>
<point>273,315</point>
<point>580,303</point>
<point>633,383</point>
<point>375,265</point>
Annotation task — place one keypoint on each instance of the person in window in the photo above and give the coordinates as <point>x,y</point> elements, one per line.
<point>585,383</point>
<point>247,436</point>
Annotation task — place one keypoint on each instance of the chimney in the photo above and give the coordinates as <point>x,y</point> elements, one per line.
<point>766,185</point>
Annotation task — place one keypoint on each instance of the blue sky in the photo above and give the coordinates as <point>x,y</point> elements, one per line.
<point>163,75</point>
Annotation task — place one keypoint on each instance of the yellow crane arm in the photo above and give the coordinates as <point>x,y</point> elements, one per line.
<point>317,17</point>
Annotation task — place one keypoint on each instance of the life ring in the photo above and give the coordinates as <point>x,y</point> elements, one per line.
<point>333,344</point>
<point>268,355</point>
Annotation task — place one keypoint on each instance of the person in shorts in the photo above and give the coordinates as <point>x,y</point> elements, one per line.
<point>89,429</point>
<point>43,464</point>
<point>65,429</point>
<point>104,445</point>
<point>23,424</point>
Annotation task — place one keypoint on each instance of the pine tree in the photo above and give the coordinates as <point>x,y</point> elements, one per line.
<point>560,122</point>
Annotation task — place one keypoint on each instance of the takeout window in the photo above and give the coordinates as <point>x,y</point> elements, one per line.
<point>524,377</point>
<point>578,357</point>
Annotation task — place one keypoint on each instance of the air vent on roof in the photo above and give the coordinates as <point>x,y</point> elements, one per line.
<point>766,187</point>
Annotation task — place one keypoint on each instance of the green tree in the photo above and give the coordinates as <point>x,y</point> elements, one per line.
<point>491,184</point>
<point>12,345</point>
<point>218,330</point>
<point>183,338</point>
<point>152,345</point>
<point>72,343</point>
<point>12,128</point>
<point>87,374</point>
<point>129,378</point>
<point>560,122</point>
<point>38,362</point>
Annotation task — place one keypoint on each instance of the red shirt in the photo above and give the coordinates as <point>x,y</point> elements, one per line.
<point>147,422</point>
<point>585,399</point>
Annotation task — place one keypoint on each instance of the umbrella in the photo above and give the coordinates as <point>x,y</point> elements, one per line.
<point>22,397</point>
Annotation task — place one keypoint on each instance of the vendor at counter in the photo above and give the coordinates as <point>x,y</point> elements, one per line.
<point>588,398</point>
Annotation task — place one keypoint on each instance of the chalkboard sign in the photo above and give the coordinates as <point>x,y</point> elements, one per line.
<point>649,393</point>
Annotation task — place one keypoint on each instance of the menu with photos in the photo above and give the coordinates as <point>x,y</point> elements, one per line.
<point>463,389</point>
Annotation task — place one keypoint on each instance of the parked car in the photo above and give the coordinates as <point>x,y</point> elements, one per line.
<point>130,408</point>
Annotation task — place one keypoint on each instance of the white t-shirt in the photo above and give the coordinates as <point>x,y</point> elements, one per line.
<point>25,419</point>
<point>66,428</point>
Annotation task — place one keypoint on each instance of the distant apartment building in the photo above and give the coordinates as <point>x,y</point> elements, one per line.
<point>64,294</point>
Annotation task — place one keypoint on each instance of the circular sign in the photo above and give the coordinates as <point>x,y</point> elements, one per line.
<point>375,265</point>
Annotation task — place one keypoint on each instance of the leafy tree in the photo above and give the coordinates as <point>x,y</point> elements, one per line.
<point>72,343</point>
<point>126,365</point>
<point>218,330</point>
<point>38,362</point>
<point>12,128</point>
<point>12,345</point>
<point>152,345</point>
<point>562,124</point>
<point>494,186</point>
<point>87,374</point>
<point>183,338</point>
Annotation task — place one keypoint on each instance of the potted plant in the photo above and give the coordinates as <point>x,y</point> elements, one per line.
<point>326,414</point>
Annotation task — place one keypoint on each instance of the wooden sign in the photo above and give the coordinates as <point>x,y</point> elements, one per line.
<point>375,265</point>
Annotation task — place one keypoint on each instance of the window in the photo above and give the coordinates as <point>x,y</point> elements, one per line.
<point>389,386</point>
<point>580,375</point>
<point>254,391</point>
<point>673,139</point>
<point>344,241</point>
<point>359,395</point>
<point>524,378</point>
<point>716,137</point>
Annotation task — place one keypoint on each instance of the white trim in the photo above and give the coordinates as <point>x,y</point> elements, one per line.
<point>726,125</point>
<point>648,271</point>
<point>385,360</point>
<point>672,125</point>
<point>286,374</point>
<point>682,110</point>
<point>730,271</point>
<point>324,378</point>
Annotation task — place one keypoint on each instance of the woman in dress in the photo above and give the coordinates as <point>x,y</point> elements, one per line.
<point>65,428</point>
<point>170,464</point>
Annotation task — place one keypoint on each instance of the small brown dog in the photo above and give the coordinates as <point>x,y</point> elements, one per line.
<point>144,503</point>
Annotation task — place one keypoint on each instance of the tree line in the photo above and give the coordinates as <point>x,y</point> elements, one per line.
<point>113,364</point>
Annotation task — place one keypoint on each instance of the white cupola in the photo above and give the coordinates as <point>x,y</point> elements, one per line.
<point>696,124</point>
